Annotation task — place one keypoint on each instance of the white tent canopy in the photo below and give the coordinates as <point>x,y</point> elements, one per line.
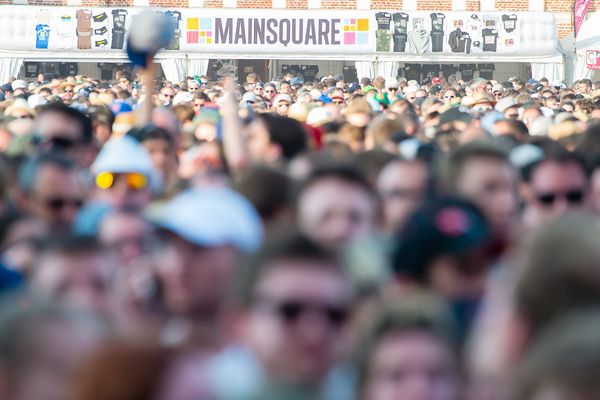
<point>588,38</point>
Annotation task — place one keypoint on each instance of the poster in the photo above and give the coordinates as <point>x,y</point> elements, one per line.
<point>260,31</point>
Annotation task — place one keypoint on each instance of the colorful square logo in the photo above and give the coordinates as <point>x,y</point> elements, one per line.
<point>199,30</point>
<point>356,31</point>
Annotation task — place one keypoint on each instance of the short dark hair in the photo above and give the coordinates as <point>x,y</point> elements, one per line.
<point>267,188</point>
<point>285,246</point>
<point>150,132</point>
<point>344,172</point>
<point>70,113</point>
<point>288,133</point>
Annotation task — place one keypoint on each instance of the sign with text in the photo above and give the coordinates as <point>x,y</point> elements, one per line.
<point>299,32</point>
<point>592,59</point>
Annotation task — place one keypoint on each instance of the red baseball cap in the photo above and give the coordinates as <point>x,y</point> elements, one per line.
<point>436,80</point>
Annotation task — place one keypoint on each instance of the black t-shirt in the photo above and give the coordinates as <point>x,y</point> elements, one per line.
<point>467,71</point>
<point>430,70</point>
<point>437,22</point>
<point>486,71</point>
<point>490,39</point>
<point>119,17</point>
<point>448,69</point>
<point>509,22</point>
<point>412,72</point>
<point>384,20</point>
<point>401,20</point>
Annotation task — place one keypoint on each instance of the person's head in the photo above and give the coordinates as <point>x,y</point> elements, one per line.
<point>270,91</point>
<point>295,299</point>
<point>74,271</point>
<point>530,114</point>
<point>444,245</point>
<point>205,232</point>
<point>381,132</point>
<point>481,172</point>
<point>402,186</point>
<point>274,138</point>
<point>268,189</point>
<point>563,363</point>
<point>408,351</point>
<point>511,127</point>
<point>63,129</point>
<point>584,86</point>
<point>42,347</point>
<point>102,122</point>
<point>450,96</point>
<point>336,205</point>
<point>556,183</point>
<point>124,174</point>
<point>50,188</point>
<point>165,96</point>
<point>127,234</point>
<point>160,146</point>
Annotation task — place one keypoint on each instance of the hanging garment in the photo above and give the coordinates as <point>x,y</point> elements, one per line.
<point>459,41</point>
<point>42,36</point>
<point>384,20</point>
<point>437,22</point>
<point>509,22</point>
<point>118,32</point>
<point>419,41</point>
<point>66,32</point>
<point>437,41</point>
<point>383,40</point>
<point>400,32</point>
<point>490,39</point>
<point>400,22</point>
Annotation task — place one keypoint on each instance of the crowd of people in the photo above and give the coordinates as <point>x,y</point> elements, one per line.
<point>375,240</point>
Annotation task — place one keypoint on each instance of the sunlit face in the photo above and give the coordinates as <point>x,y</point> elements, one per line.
<point>336,212</point>
<point>297,324</point>
<point>413,365</point>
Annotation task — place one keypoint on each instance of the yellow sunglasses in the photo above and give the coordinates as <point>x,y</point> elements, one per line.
<point>135,181</point>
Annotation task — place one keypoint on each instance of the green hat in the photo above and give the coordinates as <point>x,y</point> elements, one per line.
<point>368,88</point>
<point>382,98</point>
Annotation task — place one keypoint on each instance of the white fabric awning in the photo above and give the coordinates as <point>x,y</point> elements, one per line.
<point>588,37</point>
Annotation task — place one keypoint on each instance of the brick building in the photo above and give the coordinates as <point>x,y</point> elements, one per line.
<point>270,65</point>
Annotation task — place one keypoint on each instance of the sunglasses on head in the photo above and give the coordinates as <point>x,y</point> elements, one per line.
<point>58,203</point>
<point>135,181</point>
<point>290,311</point>
<point>573,197</point>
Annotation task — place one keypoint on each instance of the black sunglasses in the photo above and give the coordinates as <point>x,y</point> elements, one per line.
<point>572,196</point>
<point>58,203</point>
<point>290,311</point>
